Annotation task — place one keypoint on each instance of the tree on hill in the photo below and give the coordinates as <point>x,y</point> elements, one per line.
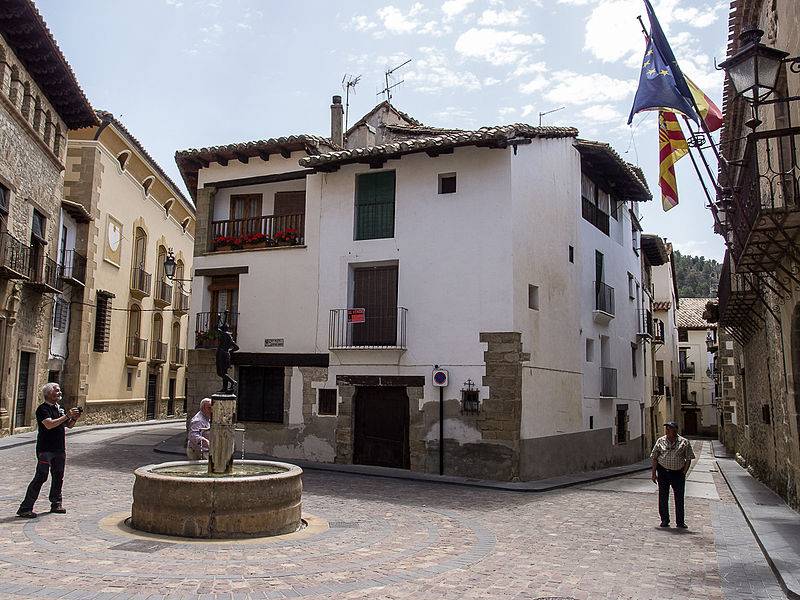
<point>698,276</point>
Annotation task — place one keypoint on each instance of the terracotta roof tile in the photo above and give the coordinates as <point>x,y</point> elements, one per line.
<point>690,313</point>
<point>500,135</point>
<point>662,305</point>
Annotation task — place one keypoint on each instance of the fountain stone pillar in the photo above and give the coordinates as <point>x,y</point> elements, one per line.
<point>223,415</point>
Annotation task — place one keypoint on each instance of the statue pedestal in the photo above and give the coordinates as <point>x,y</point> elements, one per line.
<point>223,411</point>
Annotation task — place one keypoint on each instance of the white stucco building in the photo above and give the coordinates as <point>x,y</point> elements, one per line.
<point>508,256</point>
<point>696,338</point>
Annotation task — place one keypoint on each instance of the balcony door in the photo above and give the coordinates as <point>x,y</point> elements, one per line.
<point>375,290</point>
<point>224,297</point>
<point>246,210</point>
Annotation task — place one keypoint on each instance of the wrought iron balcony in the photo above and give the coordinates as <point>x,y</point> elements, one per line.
<point>206,323</point>
<point>738,296</point>
<point>15,257</point>
<point>44,277</point>
<point>158,351</point>
<point>258,232</point>
<point>140,282</point>
<point>180,304</point>
<point>592,213</point>
<point>377,331</point>
<point>163,295</point>
<point>763,217</point>
<point>136,350</point>
<point>658,331</point>
<point>608,382</point>
<point>73,271</point>
<point>646,324</point>
<point>604,309</point>
<point>177,356</point>
<point>712,345</point>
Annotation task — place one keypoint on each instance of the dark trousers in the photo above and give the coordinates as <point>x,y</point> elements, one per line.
<point>677,480</point>
<point>47,462</point>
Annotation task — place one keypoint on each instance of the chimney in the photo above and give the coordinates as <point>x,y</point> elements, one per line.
<point>337,121</point>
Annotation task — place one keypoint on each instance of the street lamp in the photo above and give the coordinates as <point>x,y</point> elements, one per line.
<point>170,265</point>
<point>754,68</point>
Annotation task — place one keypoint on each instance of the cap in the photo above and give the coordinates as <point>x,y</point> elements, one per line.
<point>671,424</point>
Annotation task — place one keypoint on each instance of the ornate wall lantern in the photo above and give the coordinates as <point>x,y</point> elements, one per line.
<point>470,398</point>
<point>754,69</point>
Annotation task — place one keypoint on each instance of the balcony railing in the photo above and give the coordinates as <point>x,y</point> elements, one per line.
<point>658,331</point>
<point>206,323</point>
<point>136,349</point>
<point>608,382</point>
<point>73,270</point>
<point>181,304</point>
<point>163,296</point>
<point>646,326</point>
<point>177,356</point>
<point>255,232</point>
<point>604,298</point>
<point>686,369</point>
<point>764,217</point>
<point>140,282</point>
<point>45,276</point>
<point>15,257</point>
<point>592,213</point>
<point>658,385</point>
<point>158,351</point>
<point>377,331</point>
<point>738,296</point>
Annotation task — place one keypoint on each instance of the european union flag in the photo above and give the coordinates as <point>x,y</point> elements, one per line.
<point>657,87</point>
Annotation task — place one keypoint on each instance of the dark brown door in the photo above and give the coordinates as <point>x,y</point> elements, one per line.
<point>23,385</point>
<point>152,388</point>
<point>690,422</point>
<point>171,401</point>
<point>375,290</point>
<point>380,435</point>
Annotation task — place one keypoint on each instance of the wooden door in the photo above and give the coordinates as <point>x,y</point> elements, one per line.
<point>246,211</point>
<point>380,434</point>
<point>690,422</point>
<point>152,389</point>
<point>171,401</point>
<point>23,385</point>
<point>375,290</point>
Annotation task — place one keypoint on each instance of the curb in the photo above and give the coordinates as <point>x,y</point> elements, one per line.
<point>89,428</point>
<point>790,593</point>
<point>542,485</point>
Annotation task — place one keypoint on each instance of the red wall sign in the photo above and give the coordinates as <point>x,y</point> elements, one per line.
<point>356,315</point>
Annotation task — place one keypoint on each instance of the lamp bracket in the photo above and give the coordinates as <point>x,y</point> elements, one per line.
<point>794,63</point>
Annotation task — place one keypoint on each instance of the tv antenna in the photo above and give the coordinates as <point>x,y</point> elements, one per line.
<point>547,112</point>
<point>387,74</point>
<point>348,82</point>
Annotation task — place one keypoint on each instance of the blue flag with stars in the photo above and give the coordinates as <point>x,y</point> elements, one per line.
<point>657,88</point>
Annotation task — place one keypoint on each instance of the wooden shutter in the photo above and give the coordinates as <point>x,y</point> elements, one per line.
<point>289,203</point>
<point>375,205</point>
<point>102,322</point>
<point>260,394</point>
<point>375,290</point>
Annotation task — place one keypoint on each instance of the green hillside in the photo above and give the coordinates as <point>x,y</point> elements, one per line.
<point>698,276</point>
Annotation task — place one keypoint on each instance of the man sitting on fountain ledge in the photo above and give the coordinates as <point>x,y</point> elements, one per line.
<point>198,446</point>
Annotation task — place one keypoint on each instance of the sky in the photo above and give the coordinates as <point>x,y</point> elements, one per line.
<point>192,73</point>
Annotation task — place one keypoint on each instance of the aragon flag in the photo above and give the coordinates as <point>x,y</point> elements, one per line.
<point>709,112</point>
<point>672,147</point>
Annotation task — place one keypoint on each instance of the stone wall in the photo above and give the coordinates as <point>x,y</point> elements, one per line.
<point>103,414</point>
<point>31,161</point>
<point>202,379</point>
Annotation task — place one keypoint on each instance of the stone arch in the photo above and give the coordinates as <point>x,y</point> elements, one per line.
<point>168,205</point>
<point>37,113</point>
<point>26,100</point>
<point>13,91</point>
<point>147,183</point>
<point>122,158</point>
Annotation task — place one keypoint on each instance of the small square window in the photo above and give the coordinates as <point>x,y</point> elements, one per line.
<point>533,297</point>
<point>60,315</point>
<point>589,350</point>
<point>630,286</point>
<point>38,228</point>
<point>447,183</point>
<point>571,254</point>
<point>129,379</point>
<point>683,335</point>
<point>326,402</point>
<point>4,198</point>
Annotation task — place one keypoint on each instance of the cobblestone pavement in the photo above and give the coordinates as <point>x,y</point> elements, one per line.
<point>385,539</point>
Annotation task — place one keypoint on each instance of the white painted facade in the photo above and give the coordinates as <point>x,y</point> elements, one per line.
<point>666,355</point>
<point>700,385</point>
<point>67,232</point>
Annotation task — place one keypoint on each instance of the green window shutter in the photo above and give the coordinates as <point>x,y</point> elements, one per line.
<point>375,205</point>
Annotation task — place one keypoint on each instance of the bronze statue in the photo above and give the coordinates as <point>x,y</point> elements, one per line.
<point>225,347</point>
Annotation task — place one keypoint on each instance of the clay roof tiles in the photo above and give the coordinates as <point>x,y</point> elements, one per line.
<point>666,305</point>
<point>24,29</point>
<point>690,313</point>
<point>496,136</point>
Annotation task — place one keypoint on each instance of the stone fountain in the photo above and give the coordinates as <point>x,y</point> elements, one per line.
<point>225,498</point>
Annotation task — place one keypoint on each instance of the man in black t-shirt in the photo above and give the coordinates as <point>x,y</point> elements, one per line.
<point>50,450</point>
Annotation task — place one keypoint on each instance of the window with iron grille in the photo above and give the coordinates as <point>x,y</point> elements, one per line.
<point>102,322</point>
<point>326,402</point>
<point>4,200</point>
<point>260,394</point>
<point>683,335</point>
<point>374,217</point>
<point>60,313</point>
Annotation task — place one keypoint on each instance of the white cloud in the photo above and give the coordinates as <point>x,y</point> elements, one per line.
<point>394,21</point>
<point>504,112</point>
<point>433,73</point>
<point>576,88</point>
<point>601,113</point>
<point>528,109</point>
<point>362,23</point>
<point>534,85</point>
<point>495,18</point>
<point>525,67</point>
<point>495,46</point>
<point>435,29</point>
<point>451,8</point>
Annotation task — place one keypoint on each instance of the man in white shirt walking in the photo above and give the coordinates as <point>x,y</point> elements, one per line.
<point>672,456</point>
<point>197,445</point>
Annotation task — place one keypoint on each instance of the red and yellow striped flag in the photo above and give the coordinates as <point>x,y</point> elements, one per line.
<point>709,112</point>
<point>672,147</point>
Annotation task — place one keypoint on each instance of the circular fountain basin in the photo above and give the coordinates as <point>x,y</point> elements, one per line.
<point>260,498</point>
